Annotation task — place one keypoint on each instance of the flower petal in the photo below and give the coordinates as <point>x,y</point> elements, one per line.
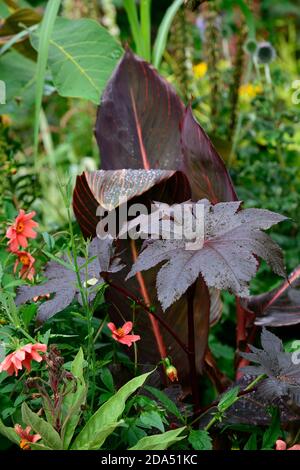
<point>127,327</point>
<point>112,327</point>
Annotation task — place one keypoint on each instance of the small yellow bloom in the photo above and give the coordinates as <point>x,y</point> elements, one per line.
<point>200,69</point>
<point>249,91</point>
<point>6,120</point>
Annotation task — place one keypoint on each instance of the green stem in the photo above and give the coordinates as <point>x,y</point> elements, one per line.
<point>248,389</point>
<point>87,309</point>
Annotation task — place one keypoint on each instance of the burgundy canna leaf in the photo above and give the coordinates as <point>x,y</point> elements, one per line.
<point>138,121</point>
<point>202,164</point>
<point>279,307</point>
<point>109,189</point>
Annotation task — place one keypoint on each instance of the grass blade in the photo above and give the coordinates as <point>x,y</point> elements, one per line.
<point>46,31</point>
<point>133,20</point>
<point>163,32</point>
<point>145,10</point>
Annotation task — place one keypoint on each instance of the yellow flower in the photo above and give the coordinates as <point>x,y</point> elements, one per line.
<point>249,91</point>
<point>200,69</point>
<point>6,120</point>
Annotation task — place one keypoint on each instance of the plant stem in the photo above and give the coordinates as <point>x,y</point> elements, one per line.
<point>148,310</point>
<point>87,309</point>
<point>247,390</point>
<point>191,348</point>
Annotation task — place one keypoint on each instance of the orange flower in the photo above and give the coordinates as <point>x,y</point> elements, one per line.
<point>22,357</point>
<point>20,230</point>
<point>121,334</point>
<point>26,437</point>
<point>281,445</point>
<point>27,271</point>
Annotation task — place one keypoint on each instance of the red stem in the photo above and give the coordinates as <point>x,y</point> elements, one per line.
<point>154,323</point>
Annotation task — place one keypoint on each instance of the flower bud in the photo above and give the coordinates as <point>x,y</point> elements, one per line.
<point>171,372</point>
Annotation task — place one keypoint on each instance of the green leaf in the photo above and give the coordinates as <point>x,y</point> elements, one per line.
<point>9,433</point>
<point>151,419</point>
<point>165,401</point>
<point>27,312</point>
<point>103,422</point>
<point>133,20</point>
<point>163,32</point>
<point>48,434</point>
<point>74,401</point>
<point>49,240</point>
<point>145,16</point>
<point>251,444</point>
<point>107,379</point>
<point>82,57</point>
<point>200,440</point>
<point>228,399</point>
<point>273,432</point>
<point>159,441</point>
<point>37,446</point>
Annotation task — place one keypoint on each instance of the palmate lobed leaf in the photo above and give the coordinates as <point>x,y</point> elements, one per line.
<point>283,375</point>
<point>232,241</point>
<point>63,283</point>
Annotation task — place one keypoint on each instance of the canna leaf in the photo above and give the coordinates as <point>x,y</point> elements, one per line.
<point>279,307</point>
<point>138,121</point>
<point>202,164</point>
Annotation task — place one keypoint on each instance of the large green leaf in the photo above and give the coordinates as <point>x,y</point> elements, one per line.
<point>104,421</point>
<point>74,400</point>
<point>18,73</point>
<point>159,441</point>
<point>49,436</point>
<point>82,57</point>
<point>9,433</point>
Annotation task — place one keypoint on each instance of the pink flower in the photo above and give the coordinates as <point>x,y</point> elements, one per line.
<point>22,357</point>
<point>26,437</point>
<point>20,230</point>
<point>27,271</point>
<point>281,445</point>
<point>121,334</point>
